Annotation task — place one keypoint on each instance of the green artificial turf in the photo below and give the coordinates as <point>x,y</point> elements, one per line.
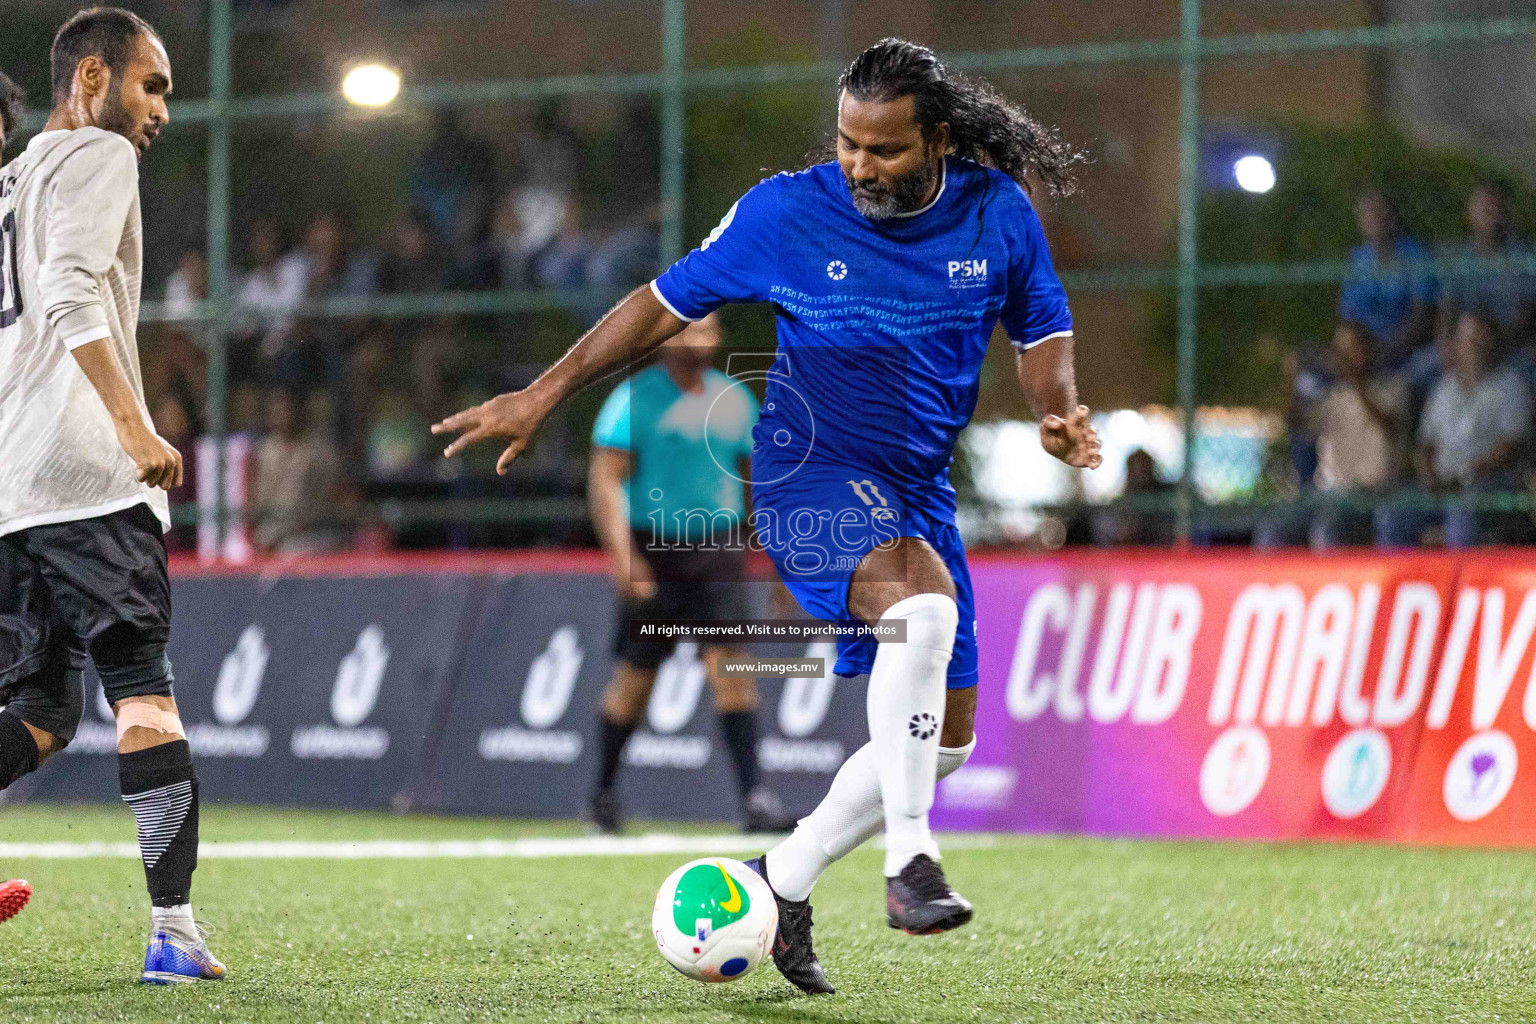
<point>1066,930</point>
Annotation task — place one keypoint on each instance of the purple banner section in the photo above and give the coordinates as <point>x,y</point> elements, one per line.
<point>1023,776</point>
<point>1084,722</point>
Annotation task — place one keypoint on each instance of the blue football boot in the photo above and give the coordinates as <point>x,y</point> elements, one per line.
<point>171,960</point>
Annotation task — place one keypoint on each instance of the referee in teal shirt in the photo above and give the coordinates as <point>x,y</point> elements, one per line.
<point>669,451</point>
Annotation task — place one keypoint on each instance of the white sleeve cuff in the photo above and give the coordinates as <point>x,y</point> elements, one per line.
<point>671,308</point>
<point>87,336</point>
<point>1024,347</point>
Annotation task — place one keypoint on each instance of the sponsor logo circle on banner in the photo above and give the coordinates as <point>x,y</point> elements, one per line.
<point>1355,774</point>
<point>1480,775</point>
<point>1234,770</point>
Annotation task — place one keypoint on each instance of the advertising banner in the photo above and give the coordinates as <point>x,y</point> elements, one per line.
<point>293,690</point>
<point>1476,759</point>
<point>1366,697</point>
<point>522,730</point>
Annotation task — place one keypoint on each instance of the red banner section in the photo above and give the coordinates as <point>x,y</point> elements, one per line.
<point>1356,696</point>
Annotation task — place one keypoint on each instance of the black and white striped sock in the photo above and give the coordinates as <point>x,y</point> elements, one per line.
<point>161,787</point>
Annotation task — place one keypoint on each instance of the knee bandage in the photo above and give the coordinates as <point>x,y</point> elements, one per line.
<point>136,714</point>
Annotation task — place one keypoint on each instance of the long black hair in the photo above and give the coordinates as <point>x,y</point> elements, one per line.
<point>983,126</point>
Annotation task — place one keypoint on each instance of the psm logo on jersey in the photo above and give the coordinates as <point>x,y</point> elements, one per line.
<point>837,270</point>
<point>967,273</point>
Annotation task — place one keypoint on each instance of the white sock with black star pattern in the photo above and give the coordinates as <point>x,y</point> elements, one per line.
<point>906,708</point>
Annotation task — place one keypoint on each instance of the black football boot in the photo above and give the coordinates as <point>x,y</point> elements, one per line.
<point>792,952</point>
<point>920,902</point>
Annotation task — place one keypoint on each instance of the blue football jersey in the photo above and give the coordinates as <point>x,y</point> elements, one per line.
<point>882,325</point>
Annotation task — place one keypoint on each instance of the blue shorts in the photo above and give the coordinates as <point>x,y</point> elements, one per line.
<point>817,523</point>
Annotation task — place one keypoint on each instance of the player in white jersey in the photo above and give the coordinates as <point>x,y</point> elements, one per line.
<point>82,471</point>
<point>15,893</point>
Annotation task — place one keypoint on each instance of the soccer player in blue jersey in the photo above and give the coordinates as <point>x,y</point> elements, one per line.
<point>889,268</point>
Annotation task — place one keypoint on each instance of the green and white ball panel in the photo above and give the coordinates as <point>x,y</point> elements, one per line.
<point>715,919</point>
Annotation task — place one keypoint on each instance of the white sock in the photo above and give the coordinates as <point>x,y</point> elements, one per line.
<point>176,921</point>
<point>847,817</point>
<point>906,707</point>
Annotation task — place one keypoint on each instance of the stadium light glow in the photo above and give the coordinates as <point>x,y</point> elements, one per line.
<point>371,85</point>
<point>1254,173</point>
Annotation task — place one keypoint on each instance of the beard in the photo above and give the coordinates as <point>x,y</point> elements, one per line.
<point>114,115</point>
<point>903,195</point>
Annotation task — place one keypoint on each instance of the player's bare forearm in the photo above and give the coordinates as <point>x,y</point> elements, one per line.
<point>630,331</point>
<point>1049,383</point>
<point>605,495</point>
<point>1047,378</point>
<point>155,462</point>
<point>606,474</point>
<point>99,363</point>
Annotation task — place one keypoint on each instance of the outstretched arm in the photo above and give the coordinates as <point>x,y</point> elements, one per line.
<point>1050,386</point>
<point>628,333</point>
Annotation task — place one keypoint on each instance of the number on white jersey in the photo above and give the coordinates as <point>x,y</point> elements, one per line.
<point>10,282</point>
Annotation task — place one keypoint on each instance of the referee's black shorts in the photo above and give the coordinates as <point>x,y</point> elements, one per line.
<point>690,584</point>
<point>90,587</point>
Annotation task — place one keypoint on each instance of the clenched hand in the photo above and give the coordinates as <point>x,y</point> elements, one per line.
<point>155,462</point>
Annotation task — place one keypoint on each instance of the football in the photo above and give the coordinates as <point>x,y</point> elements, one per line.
<point>715,919</point>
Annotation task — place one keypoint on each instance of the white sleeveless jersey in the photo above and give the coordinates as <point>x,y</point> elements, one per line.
<point>71,257</point>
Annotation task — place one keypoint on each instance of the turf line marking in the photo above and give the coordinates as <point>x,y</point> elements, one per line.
<point>654,844</point>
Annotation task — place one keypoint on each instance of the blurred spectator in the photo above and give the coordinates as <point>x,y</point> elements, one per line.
<point>1386,292</point>
<point>1362,442</point>
<point>175,356</point>
<point>527,220</point>
<point>454,183</point>
<point>320,418</point>
<point>563,262</point>
<point>327,263</point>
<point>186,287</point>
<point>628,256</point>
<point>534,212</point>
<point>1306,385</point>
<point>509,251</point>
<point>245,411</point>
<point>266,294</point>
<point>172,417</point>
<point>550,155</point>
<point>1506,296</point>
<point>1139,518</point>
<point>397,436</point>
<point>1471,439</point>
<point>633,160</point>
<point>171,359</point>
<point>414,260</point>
<point>436,355</point>
<point>296,480</point>
<point>313,350</point>
<point>1478,416</point>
